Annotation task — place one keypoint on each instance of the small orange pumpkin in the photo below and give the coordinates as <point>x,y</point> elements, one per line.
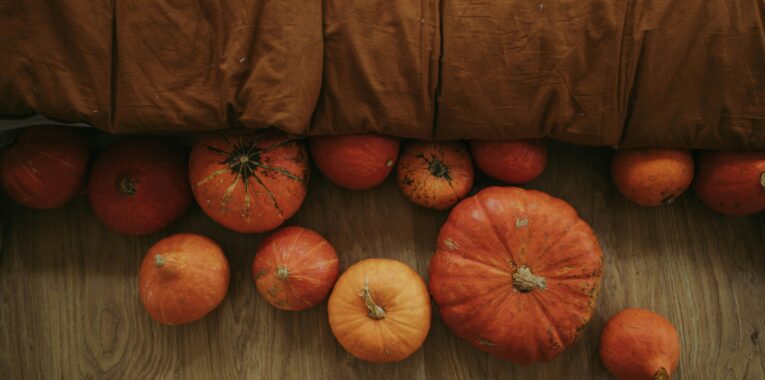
<point>435,175</point>
<point>380,311</point>
<point>732,182</point>
<point>356,162</point>
<point>295,268</point>
<point>511,161</point>
<point>183,278</point>
<point>251,182</point>
<point>638,344</point>
<point>652,177</point>
<point>516,273</point>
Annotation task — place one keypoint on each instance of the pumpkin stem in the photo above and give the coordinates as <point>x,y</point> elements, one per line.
<point>282,272</point>
<point>661,374</point>
<point>438,169</point>
<point>375,311</point>
<point>762,180</point>
<point>126,186</point>
<point>526,281</point>
<point>159,261</point>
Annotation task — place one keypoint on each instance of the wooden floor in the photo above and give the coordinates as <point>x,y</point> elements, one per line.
<point>70,306</point>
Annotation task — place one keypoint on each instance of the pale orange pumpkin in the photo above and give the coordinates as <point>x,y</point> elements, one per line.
<point>380,311</point>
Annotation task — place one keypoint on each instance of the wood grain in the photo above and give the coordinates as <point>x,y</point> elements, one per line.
<point>70,306</point>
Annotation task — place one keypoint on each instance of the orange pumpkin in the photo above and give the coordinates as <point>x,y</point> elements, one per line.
<point>356,162</point>
<point>435,175</point>
<point>511,161</point>
<point>183,278</point>
<point>380,311</point>
<point>516,273</point>
<point>732,182</point>
<point>251,182</point>
<point>295,268</point>
<point>638,344</point>
<point>45,167</point>
<point>652,177</point>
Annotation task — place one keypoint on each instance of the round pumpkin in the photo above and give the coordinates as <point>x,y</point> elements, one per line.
<point>516,273</point>
<point>356,162</point>
<point>139,186</point>
<point>732,182</point>
<point>251,182</point>
<point>435,174</point>
<point>379,310</point>
<point>45,167</point>
<point>638,344</point>
<point>183,278</point>
<point>652,177</point>
<point>295,268</point>
<point>511,161</point>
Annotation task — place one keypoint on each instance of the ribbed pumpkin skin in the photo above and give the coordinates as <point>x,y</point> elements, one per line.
<point>190,283</point>
<point>435,174</point>
<point>732,182</point>
<point>355,162</point>
<point>45,167</point>
<point>511,161</point>
<point>638,344</point>
<point>251,182</point>
<point>486,242</point>
<point>295,268</point>
<point>402,294</point>
<point>652,177</point>
<point>139,186</point>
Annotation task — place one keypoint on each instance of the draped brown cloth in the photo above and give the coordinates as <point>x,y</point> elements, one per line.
<point>666,73</point>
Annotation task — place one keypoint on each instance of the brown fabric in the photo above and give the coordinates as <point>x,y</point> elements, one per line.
<point>208,65</point>
<point>700,74</point>
<point>61,69</point>
<point>380,67</point>
<point>521,69</point>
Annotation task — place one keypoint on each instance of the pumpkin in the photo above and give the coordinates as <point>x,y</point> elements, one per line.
<point>516,273</point>
<point>732,182</point>
<point>652,177</point>
<point>435,175</point>
<point>356,162</point>
<point>139,186</point>
<point>183,278</point>
<point>511,161</point>
<point>379,310</point>
<point>45,167</point>
<point>638,344</point>
<point>251,182</point>
<point>295,268</point>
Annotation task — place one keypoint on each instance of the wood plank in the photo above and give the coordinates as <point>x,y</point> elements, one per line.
<point>69,302</point>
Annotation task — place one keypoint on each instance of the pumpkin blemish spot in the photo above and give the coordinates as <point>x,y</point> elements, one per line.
<point>485,342</point>
<point>449,243</point>
<point>521,222</point>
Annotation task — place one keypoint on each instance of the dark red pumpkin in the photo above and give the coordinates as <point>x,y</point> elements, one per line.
<point>511,161</point>
<point>516,273</point>
<point>251,182</point>
<point>435,174</point>
<point>139,186</point>
<point>732,182</point>
<point>355,162</point>
<point>45,167</point>
<point>295,268</point>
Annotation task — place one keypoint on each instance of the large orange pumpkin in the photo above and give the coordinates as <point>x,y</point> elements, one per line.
<point>183,278</point>
<point>45,167</point>
<point>251,182</point>
<point>380,311</point>
<point>516,273</point>
<point>732,182</point>
<point>435,175</point>
<point>295,268</point>
<point>511,161</point>
<point>652,177</point>
<point>356,162</point>
<point>638,344</point>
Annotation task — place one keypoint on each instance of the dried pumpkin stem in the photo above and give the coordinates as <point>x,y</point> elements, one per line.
<point>526,281</point>
<point>762,180</point>
<point>661,374</point>
<point>375,311</point>
<point>159,261</point>
<point>282,272</point>
<point>127,186</point>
